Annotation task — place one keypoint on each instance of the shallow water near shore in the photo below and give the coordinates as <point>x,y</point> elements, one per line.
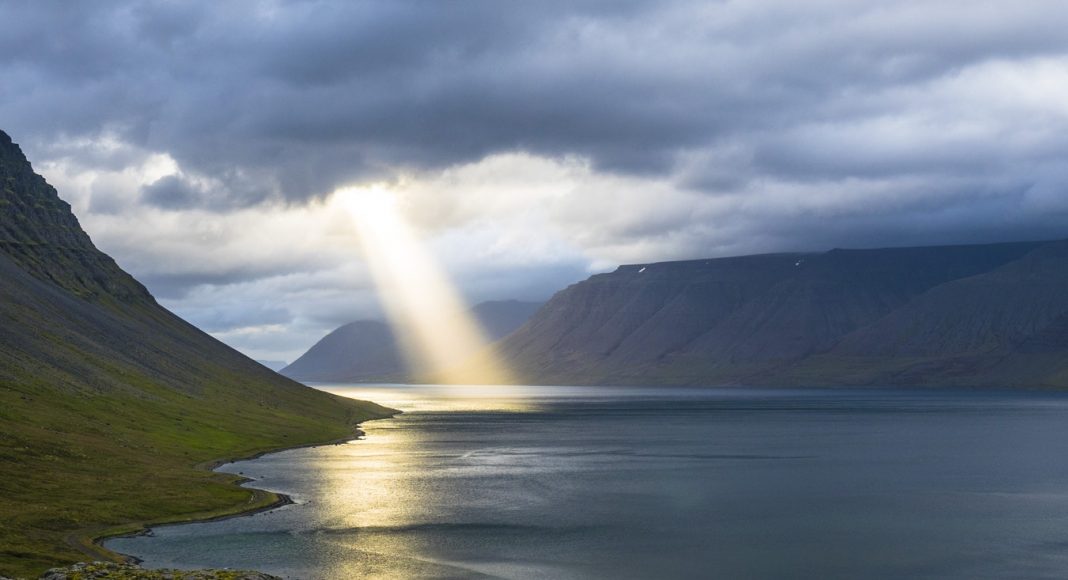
<point>558,482</point>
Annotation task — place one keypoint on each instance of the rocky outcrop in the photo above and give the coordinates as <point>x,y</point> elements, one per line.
<point>39,232</point>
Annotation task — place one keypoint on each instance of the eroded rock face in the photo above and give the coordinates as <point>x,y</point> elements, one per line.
<point>109,570</point>
<point>41,234</point>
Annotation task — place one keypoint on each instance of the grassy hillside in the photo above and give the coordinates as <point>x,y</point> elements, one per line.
<point>112,408</point>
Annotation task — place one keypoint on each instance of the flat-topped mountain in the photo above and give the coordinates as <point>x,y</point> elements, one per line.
<point>108,401</point>
<point>369,350</point>
<point>993,315</point>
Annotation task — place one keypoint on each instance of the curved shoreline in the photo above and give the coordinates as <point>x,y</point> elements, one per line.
<point>90,541</point>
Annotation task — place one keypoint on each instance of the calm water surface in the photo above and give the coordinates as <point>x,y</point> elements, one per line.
<point>553,482</point>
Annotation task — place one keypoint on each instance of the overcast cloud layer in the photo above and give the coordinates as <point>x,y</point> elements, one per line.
<point>531,142</point>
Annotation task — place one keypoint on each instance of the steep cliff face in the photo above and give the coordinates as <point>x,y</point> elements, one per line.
<point>896,316</point>
<point>107,400</point>
<point>40,234</point>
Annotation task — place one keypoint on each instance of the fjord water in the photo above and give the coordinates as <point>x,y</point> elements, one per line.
<point>552,482</point>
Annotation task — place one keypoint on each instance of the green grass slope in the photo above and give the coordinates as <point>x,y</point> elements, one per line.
<point>112,409</point>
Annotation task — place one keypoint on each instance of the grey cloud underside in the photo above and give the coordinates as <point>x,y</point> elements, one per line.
<point>293,98</point>
<point>795,125</point>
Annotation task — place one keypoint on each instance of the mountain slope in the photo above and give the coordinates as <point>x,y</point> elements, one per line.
<point>274,365</point>
<point>975,330</point>
<point>108,402</point>
<point>365,348</point>
<point>910,316</point>
<point>369,350</point>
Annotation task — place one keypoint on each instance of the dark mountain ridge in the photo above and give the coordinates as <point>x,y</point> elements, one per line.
<point>948,315</point>
<point>39,233</point>
<point>108,401</point>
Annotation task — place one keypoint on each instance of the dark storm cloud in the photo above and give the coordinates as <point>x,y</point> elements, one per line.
<point>326,92</point>
<point>168,286</point>
<point>793,124</point>
<point>171,192</point>
<point>177,192</point>
<point>316,93</point>
<point>293,98</point>
<point>709,128</point>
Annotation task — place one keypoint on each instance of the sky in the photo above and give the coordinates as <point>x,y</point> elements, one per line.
<point>529,144</point>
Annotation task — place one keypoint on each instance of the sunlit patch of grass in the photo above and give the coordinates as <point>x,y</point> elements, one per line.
<point>79,466</point>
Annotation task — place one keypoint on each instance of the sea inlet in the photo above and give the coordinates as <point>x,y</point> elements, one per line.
<point>566,482</point>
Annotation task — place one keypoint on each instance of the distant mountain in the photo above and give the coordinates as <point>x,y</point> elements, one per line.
<point>368,350</point>
<point>109,402</point>
<point>983,315</point>
<point>365,349</point>
<point>274,365</point>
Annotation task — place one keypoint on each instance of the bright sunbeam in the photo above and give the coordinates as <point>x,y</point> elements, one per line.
<point>440,339</point>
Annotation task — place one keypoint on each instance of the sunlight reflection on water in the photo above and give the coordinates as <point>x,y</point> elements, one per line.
<point>409,398</point>
<point>558,482</point>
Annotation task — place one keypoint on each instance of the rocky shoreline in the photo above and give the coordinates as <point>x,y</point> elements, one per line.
<point>131,569</point>
<point>113,571</point>
<point>281,500</point>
